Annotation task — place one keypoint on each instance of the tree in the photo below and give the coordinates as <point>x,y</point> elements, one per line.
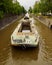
<point>36,8</point>
<point>10,7</point>
<point>30,10</point>
<point>43,6</point>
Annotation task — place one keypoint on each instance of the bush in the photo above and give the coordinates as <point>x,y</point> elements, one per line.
<point>1,14</point>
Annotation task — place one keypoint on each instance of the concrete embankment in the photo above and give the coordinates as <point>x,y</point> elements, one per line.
<point>45,21</point>
<point>9,20</point>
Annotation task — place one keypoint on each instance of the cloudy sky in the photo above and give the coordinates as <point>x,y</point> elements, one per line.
<point>27,3</point>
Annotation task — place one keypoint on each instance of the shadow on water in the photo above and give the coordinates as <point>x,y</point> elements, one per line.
<point>28,54</point>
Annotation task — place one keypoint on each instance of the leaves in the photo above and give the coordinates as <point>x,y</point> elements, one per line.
<point>43,6</point>
<point>30,10</point>
<point>8,7</point>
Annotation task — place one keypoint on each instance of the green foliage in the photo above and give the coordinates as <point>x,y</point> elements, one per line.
<point>8,7</point>
<point>36,8</point>
<point>43,6</point>
<point>30,10</point>
<point>1,14</point>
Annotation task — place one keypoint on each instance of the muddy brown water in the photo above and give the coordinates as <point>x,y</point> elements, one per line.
<point>42,55</point>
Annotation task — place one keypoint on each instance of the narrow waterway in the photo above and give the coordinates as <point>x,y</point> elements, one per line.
<point>41,55</point>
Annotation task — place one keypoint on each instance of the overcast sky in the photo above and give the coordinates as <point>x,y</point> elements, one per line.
<point>27,3</point>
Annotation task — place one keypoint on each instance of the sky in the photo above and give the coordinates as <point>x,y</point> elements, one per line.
<point>27,3</point>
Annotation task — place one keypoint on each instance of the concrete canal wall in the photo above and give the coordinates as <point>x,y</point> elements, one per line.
<point>9,20</point>
<point>45,21</point>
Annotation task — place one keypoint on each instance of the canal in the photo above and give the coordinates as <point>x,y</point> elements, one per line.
<point>41,55</point>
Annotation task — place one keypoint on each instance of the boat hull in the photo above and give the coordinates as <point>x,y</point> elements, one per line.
<point>25,35</point>
<point>24,44</point>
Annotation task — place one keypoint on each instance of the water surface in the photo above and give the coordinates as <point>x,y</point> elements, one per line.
<point>41,55</point>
